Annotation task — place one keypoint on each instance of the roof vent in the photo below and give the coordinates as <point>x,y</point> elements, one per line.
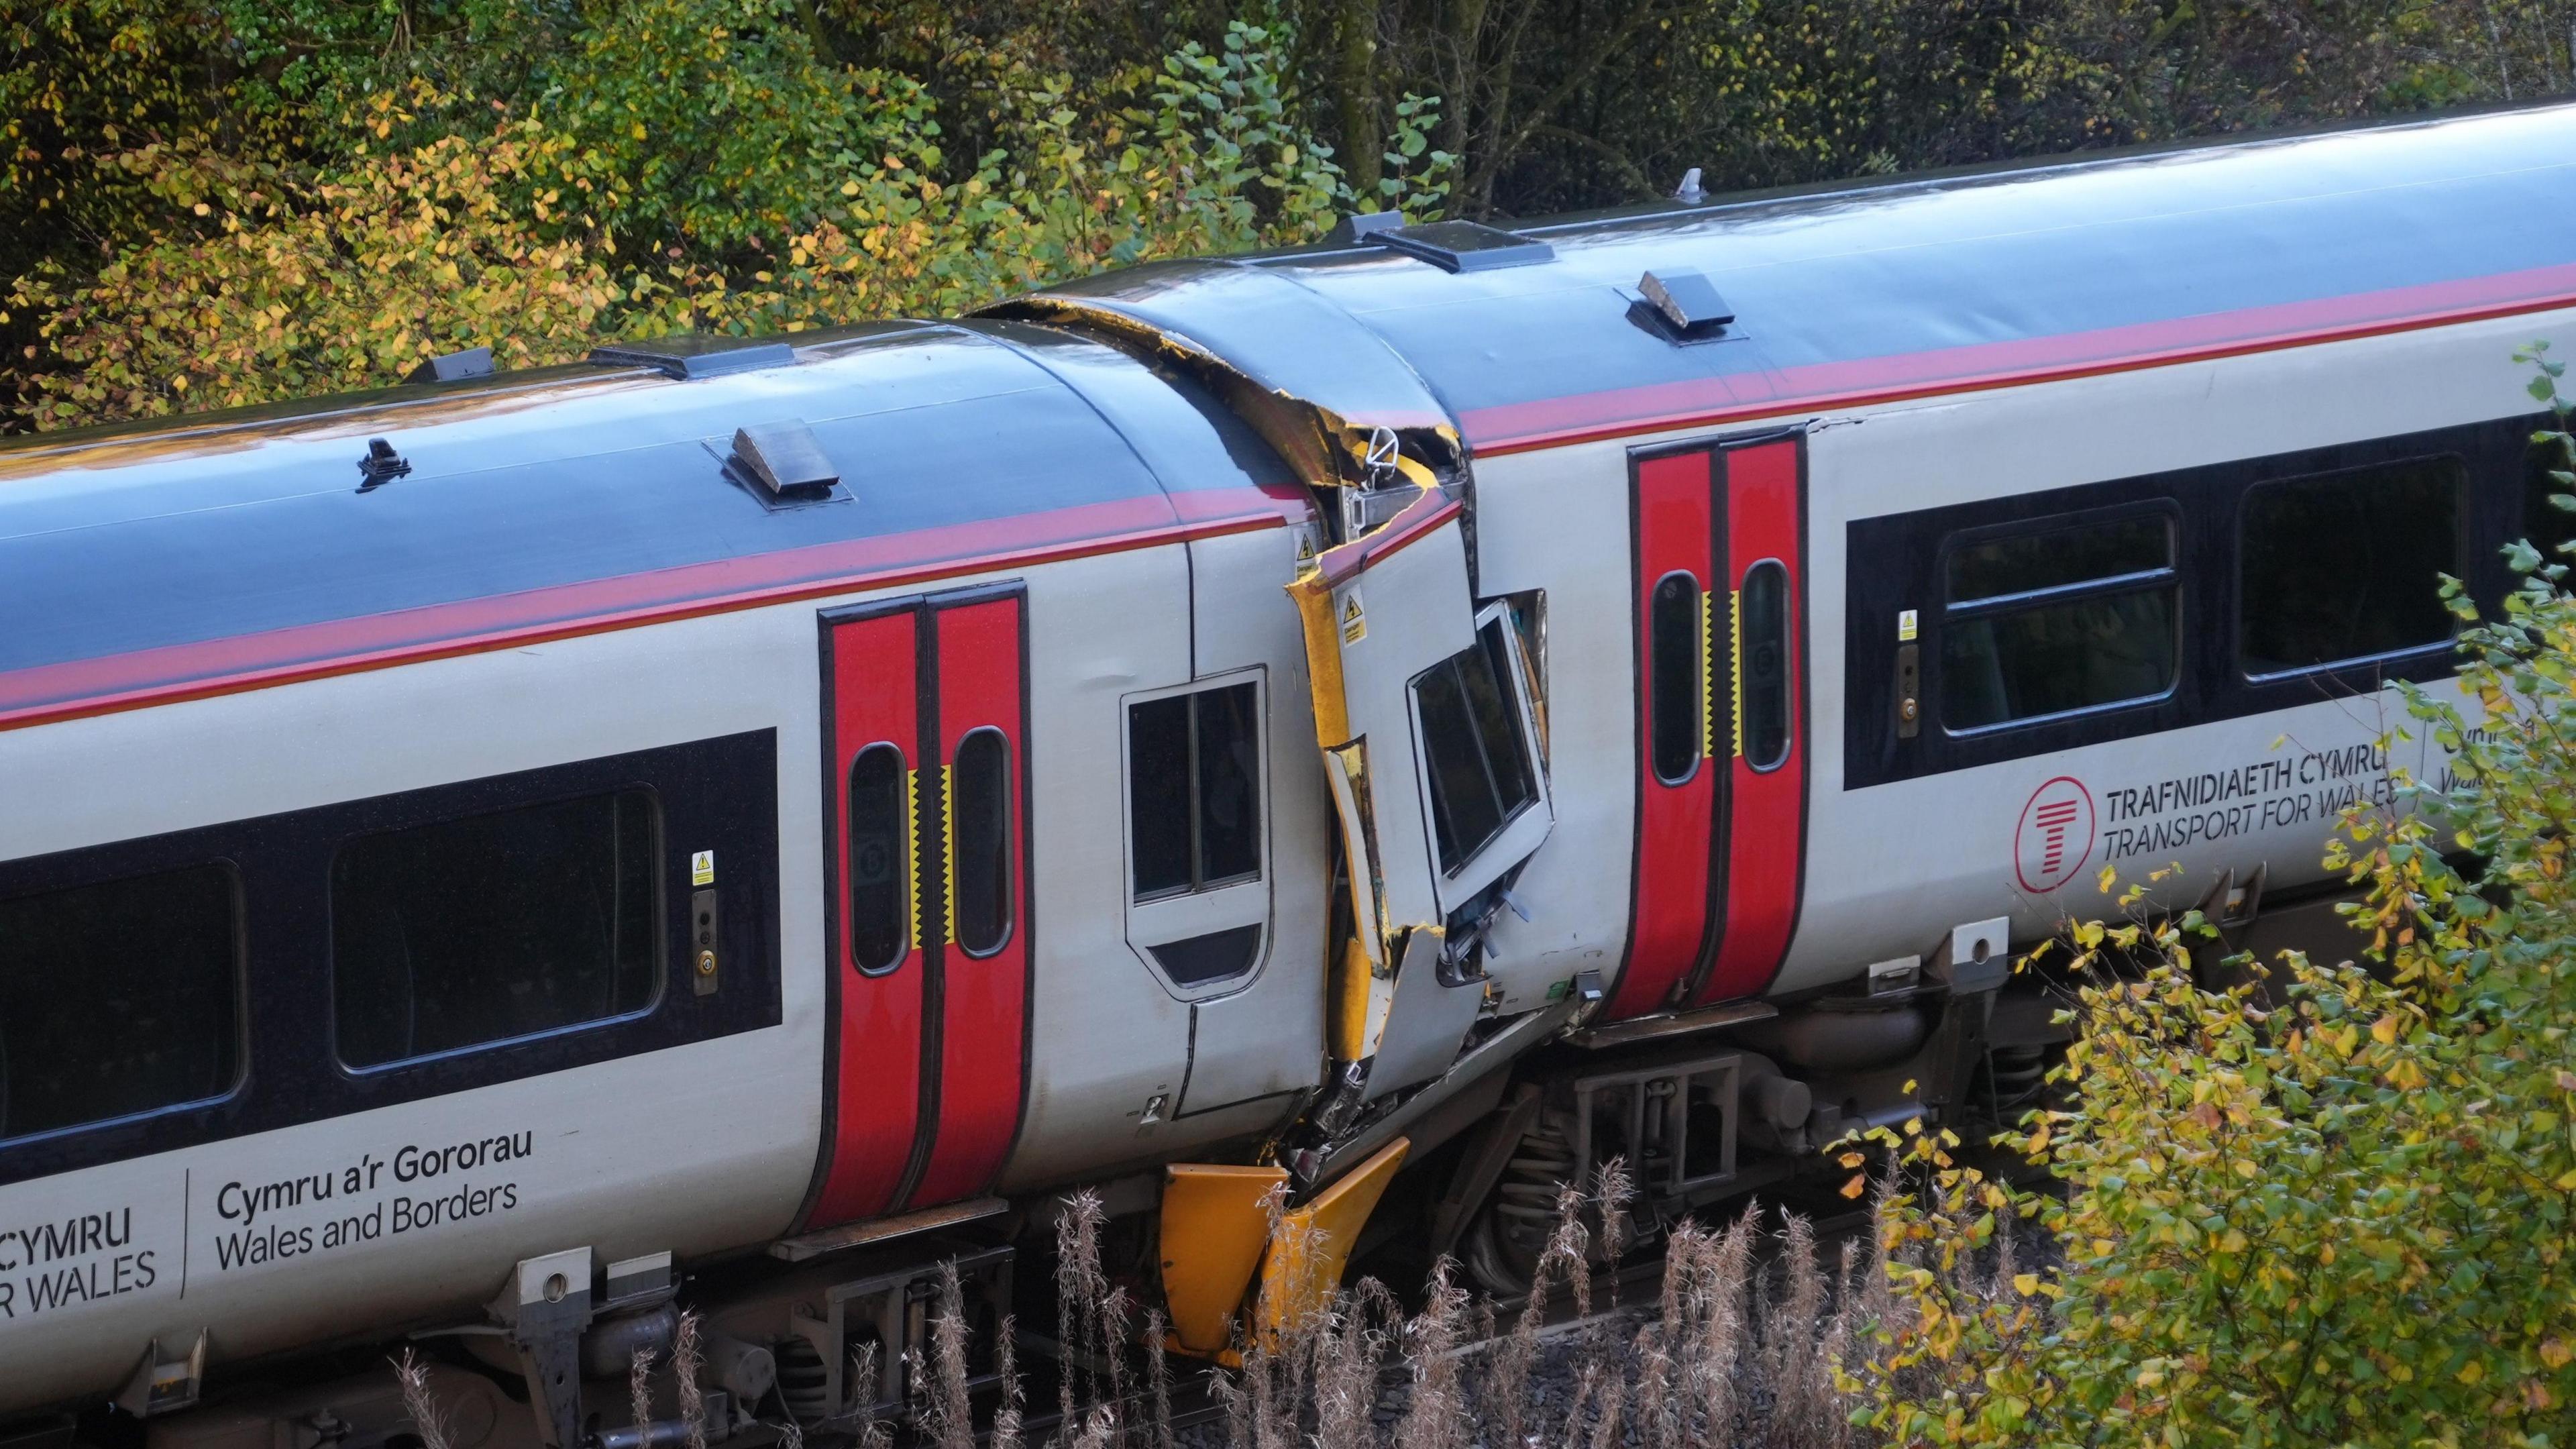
<point>1362,226</point>
<point>1687,303</point>
<point>382,465</point>
<point>1690,193</point>
<point>1465,246</point>
<point>453,366</point>
<point>688,356</point>
<point>786,461</point>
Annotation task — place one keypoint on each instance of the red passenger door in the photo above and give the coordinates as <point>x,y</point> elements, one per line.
<point>926,898</point>
<point>1718,537</point>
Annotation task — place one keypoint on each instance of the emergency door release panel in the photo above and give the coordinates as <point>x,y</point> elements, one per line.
<point>1430,747</point>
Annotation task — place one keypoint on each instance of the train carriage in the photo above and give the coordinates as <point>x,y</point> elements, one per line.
<point>744,822</point>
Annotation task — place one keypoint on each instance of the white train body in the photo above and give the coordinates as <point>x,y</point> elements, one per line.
<point>223,656</point>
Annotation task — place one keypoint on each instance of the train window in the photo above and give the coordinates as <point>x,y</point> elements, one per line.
<point>2343,566</point>
<point>2052,620</point>
<point>980,878</point>
<point>493,927</point>
<point>1677,663</point>
<point>1766,665</point>
<point>119,998</point>
<point>880,860</point>
<point>1193,789</point>
<point>1471,736</point>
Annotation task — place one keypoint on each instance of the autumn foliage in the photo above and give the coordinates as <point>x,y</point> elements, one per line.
<point>2330,1208</point>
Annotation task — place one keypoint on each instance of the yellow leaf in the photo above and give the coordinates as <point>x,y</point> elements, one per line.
<point>1856,1186</point>
<point>2386,1028</point>
<point>2026,1284</point>
<point>1851,1159</point>
<point>2109,877</point>
<point>2472,1371</point>
<point>2555,1352</point>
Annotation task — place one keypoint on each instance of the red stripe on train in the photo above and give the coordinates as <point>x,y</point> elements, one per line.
<point>1623,412</point>
<point>170,673</point>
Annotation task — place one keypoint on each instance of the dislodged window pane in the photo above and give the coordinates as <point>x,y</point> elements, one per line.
<point>1158,793</point>
<point>1479,766</point>
<point>1488,678</point>
<point>880,852</point>
<point>494,927</point>
<point>2053,558</point>
<point>1228,749</point>
<point>1766,666</point>
<point>1674,662</point>
<point>982,885</point>
<point>118,998</point>
<point>2346,565</point>
<point>1194,789</point>
<point>2024,663</point>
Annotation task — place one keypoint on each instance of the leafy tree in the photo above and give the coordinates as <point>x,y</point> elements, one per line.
<point>2333,1211</point>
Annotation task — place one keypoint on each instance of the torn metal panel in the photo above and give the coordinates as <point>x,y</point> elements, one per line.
<point>1426,1021</point>
<point>1308,376</point>
<point>1303,1267</point>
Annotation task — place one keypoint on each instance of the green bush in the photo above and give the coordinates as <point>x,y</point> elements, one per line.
<point>2334,1212</point>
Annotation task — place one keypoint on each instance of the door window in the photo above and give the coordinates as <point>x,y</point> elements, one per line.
<point>880,859</point>
<point>1766,665</point>
<point>1677,661</point>
<point>981,879</point>
<point>1193,790</point>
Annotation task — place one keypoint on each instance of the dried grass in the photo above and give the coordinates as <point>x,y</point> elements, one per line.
<point>686,1361</point>
<point>1740,1347</point>
<point>427,1418</point>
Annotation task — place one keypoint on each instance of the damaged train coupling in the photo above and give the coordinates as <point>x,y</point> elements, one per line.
<point>1706,1108</point>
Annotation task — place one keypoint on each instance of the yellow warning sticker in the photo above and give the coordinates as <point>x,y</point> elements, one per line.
<point>1905,626</point>
<point>1354,622</point>
<point>702,868</point>
<point>1305,545</point>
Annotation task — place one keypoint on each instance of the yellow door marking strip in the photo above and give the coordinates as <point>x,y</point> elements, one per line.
<point>912,853</point>
<point>948,854</point>
<point>1735,665</point>
<point>1215,1222</point>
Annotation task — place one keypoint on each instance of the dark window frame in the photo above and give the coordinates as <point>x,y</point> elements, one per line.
<point>2462,558</point>
<point>1943,612</point>
<point>906,881</point>
<point>717,794</point>
<point>1005,851</point>
<point>1510,687</point>
<point>1787,700</point>
<point>74,876</point>
<point>658,969</point>
<point>1192,697</point>
<point>1694,707</point>
<point>1891,559</point>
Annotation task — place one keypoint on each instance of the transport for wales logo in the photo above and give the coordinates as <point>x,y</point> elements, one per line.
<point>2055,837</point>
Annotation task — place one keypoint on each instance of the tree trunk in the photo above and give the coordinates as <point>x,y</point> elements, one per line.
<point>1466,26</point>
<point>1363,147</point>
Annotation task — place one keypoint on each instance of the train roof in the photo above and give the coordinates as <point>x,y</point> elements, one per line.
<point>181,557</point>
<point>152,564</point>
<point>1931,284</point>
